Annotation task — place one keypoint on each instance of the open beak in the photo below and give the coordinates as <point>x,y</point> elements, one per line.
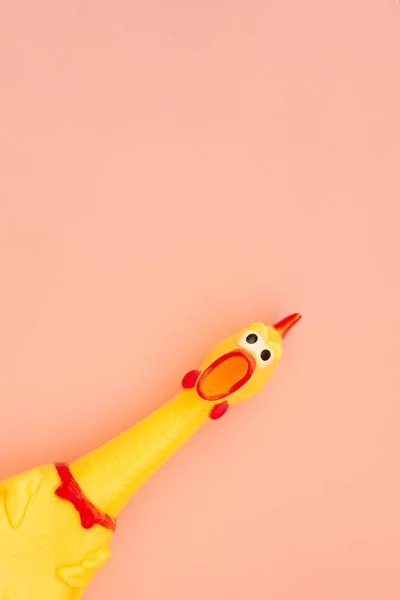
<point>226,375</point>
<point>285,325</point>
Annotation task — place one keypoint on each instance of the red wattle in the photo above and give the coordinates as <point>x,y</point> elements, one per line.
<point>190,379</point>
<point>218,410</point>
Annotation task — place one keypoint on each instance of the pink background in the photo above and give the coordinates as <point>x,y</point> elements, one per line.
<point>170,172</point>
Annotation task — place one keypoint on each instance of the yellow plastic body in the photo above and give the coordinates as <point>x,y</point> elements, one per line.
<point>45,553</point>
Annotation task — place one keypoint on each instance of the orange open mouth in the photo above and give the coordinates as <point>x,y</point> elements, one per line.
<point>226,375</point>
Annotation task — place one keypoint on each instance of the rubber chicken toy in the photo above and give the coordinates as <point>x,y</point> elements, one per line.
<point>56,521</point>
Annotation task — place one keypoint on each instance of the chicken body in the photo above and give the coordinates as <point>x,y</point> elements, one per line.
<point>57,521</point>
<point>45,553</point>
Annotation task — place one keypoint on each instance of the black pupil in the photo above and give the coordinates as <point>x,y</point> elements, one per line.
<point>265,354</point>
<point>251,338</point>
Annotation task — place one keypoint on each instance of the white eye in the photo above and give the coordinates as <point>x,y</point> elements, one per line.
<point>251,340</point>
<point>265,357</point>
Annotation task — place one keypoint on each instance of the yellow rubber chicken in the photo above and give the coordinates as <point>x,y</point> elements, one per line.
<point>56,521</point>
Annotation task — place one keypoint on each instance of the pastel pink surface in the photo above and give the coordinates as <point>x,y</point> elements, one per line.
<point>169,173</point>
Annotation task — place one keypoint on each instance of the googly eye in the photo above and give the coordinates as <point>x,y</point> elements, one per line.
<point>266,356</point>
<point>252,338</point>
<point>255,343</point>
